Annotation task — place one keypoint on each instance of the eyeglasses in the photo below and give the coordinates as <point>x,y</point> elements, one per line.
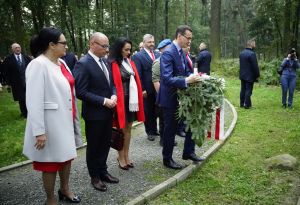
<point>103,46</point>
<point>187,38</point>
<point>63,42</point>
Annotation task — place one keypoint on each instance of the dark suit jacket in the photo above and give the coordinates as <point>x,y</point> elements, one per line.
<point>172,77</point>
<point>15,75</point>
<point>249,70</point>
<point>70,60</point>
<point>143,64</point>
<point>92,87</point>
<point>203,61</point>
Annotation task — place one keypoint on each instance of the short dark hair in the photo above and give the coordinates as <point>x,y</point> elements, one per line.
<point>39,43</point>
<point>116,50</point>
<point>182,29</point>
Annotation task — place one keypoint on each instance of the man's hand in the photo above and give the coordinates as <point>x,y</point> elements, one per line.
<point>144,93</point>
<point>110,103</point>
<point>114,98</point>
<point>40,142</point>
<point>192,78</point>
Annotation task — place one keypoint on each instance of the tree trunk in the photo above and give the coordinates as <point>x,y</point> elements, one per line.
<point>296,26</point>
<point>287,25</point>
<point>186,5</point>
<point>215,29</point>
<point>18,23</point>
<point>166,18</point>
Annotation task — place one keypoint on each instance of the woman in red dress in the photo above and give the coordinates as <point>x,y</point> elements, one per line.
<point>52,129</point>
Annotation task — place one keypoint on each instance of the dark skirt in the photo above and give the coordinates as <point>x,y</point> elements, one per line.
<point>129,116</point>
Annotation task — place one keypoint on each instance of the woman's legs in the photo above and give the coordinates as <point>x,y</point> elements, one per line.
<point>123,154</point>
<point>64,175</point>
<point>292,85</point>
<point>49,183</point>
<point>284,87</point>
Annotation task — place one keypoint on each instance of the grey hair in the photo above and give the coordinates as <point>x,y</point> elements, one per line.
<point>147,36</point>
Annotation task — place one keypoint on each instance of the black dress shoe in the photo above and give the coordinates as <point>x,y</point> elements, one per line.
<point>181,134</point>
<point>172,164</point>
<point>151,137</point>
<point>98,184</point>
<point>156,134</point>
<point>193,157</point>
<point>109,179</point>
<point>75,199</point>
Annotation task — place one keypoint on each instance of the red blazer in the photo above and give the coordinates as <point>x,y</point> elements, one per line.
<point>119,117</point>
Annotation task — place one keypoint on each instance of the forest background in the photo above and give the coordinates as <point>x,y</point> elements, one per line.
<point>224,25</point>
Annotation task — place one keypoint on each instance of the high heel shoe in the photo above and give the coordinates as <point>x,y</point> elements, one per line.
<point>130,165</point>
<point>75,199</point>
<point>124,168</point>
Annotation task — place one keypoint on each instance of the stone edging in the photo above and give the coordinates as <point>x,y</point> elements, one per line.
<point>182,175</point>
<point>16,165</point>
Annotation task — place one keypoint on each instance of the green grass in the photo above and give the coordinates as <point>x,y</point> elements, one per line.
<point>12,128</point>
<point>237,173</point>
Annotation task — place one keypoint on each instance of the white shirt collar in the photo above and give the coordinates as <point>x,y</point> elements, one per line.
<point>96,58</point>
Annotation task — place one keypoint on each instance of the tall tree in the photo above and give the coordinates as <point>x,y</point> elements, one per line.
<point>17,20</point>
<point>215,29</point>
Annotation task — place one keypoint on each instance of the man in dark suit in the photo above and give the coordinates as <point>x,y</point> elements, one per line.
<point>70,60</point>
<point>94,86</point>
<point>249,73</point>
<point>175,74</point>
<point>15,65</point>
<point>204,59</point>
<point>143,61</point>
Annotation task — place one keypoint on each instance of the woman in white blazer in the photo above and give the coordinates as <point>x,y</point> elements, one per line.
<point>53,129</point>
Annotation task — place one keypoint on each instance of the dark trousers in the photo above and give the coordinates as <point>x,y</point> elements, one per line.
<point>23,108</point>
<point>150,115</point>
<point>160,115</point>
<point>98,136</point>
<point>171,126</point>
<point>245,94</point>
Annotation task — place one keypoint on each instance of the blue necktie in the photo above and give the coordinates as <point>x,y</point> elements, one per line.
<point>104,69</point>
<point>19,60</point>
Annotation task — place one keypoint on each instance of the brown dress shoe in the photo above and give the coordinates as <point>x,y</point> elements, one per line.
<point>110,179</point>
<point>98,184</point>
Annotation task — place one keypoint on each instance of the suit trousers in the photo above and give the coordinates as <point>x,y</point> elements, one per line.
<point>245,94</point>
<point>98,136</point>
<point>171,126</point>
<point>150,114</point>
<point>23,108</point>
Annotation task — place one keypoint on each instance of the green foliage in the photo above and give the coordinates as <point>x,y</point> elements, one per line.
<point>197,104</point>
<point>268,72</point>
<point>237,174</point>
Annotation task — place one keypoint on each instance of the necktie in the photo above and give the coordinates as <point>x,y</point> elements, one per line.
<point>19,60</point>
<point>182,58</point>
<point>104,69</point>
<point>190,61</point>
<point>152,55</point>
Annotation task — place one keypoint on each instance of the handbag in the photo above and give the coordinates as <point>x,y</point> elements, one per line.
<point>279,70</point>
<point>117,139</point>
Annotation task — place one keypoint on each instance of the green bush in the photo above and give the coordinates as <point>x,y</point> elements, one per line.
<point>268,70</point>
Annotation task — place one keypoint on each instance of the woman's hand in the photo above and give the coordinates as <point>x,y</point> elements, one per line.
<point>40,141</point>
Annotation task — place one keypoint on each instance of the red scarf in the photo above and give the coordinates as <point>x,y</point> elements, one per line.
<point>119,118</point>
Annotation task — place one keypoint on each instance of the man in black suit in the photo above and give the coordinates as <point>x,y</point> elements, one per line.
<point>15,65</point>
<point>94,86</point>
<point>204,59</point>
<point>70,60</point>
<point>249,73</point>
<point>143,61</point>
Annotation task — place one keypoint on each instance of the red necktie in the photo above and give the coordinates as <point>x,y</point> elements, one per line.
<point>190,61</point>
<point>152,55</point>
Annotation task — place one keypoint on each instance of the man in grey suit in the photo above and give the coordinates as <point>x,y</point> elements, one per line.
<point>94,86</point>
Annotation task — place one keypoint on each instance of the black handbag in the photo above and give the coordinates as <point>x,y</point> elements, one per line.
<point>279,70</point>
<point>117,139</point>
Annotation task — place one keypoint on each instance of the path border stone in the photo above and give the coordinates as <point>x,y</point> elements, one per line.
<point>183,174</point>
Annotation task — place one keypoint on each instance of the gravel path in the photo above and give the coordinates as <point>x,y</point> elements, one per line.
<point>24,186</point>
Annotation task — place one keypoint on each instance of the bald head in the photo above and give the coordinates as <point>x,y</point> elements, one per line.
<point>99,44</point>
<point>16,48</point>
